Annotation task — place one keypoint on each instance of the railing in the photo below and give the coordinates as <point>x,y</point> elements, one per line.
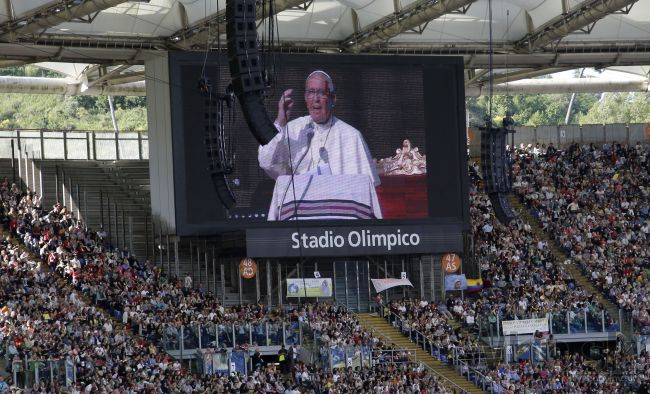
<point>74,145</point>
<point>582,321</point>
<point>218,336</point>
<point>211,362</point>
<point>57,372</point>
<point>328,357</point>
<point>475,376</point>
<point>452,358</point>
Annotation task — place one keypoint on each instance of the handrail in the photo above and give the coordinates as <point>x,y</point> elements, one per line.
<point>444,378</point>
<point>438,374</point>
<point>397,317</point>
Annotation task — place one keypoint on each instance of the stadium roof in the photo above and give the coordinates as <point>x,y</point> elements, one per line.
<point>103,43</point>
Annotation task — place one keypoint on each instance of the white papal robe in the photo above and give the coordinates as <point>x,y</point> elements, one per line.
<point>334,148</point>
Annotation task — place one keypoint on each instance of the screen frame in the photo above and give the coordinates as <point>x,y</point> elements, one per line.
<point>453,64</point>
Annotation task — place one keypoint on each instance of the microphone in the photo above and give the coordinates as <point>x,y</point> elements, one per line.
<point>324,156</point>
<point>309,131</point>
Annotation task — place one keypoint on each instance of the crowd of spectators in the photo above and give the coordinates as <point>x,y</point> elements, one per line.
<point>379,379</point>
<point>521,278</point>
<point>70,297</point>
<point>572,373</point>
<point>594,201</point>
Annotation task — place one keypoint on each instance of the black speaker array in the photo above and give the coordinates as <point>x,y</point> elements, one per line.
<point>496,170</point>
<point>218,163</point>
<point>245,68</point>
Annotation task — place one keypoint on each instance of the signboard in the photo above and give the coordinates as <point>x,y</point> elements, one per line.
<point>450,263</point>
<point>309,287</point>
<point>353,241</point>
<point>526,326</point>
<point>387,283</point>
<point>247,268</point>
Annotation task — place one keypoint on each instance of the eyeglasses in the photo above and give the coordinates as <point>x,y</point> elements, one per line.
<point>316,93</point>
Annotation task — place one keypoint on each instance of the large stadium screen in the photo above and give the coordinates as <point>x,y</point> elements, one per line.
<point>372,139</point>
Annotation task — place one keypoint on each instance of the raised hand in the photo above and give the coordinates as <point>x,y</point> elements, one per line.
<point>284,108</point>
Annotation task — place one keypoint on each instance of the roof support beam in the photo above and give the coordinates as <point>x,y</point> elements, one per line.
<point>200,32</point>
<point>523,74</point>
<point>416,14</point>
<point>45,18</point>
<point>34,85</point>
<point>108,75</point>
<point>579,17</point>
<point>550,86</point>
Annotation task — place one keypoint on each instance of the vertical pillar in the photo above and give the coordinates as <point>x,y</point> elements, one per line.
<point>198,267</point>
<point>78,200</point>
<point>280,285</point>
<point>94,146</point>
<point>42,142</point>
<point>108,212</point>
<point>139,146</point>
<point>117,228</point>
<point>403,287</point>
<point>86,218</point>
<point>206,288</point>
<point>334,281</point>
<point>169,257</point>
<point>56,182</point>
<point>88,146</point>
<point>368,280</point>
<point>356,269</point>
<point>214,274</point>
<point>124,231</point>
<point>345,267</point>
<point>146,236</point>
<point>27,170</point>
<point>421,279</point>
<point>257,285</point>
<point>316,269</point>
<point>192,258</point>
<point>13,161</point>
<point>131,238</point>
<point>304,289</point>
<point>433,282</point>
<point>69,193</point>
<point>40,182</point>
<point>177,261</point>
<point>20,164</point>
<point>101,208</point>
<point>34,175</point>
<point>117,146</point>
<point>223,283</point>
<point>241,295</point>
<point>65,145</point>
<point>268,284</point>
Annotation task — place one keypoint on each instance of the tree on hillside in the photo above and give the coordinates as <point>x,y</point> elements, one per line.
<point>530,109</point>
<point>619,108</point>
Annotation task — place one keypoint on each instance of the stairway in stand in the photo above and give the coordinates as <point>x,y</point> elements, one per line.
<point>382,329</point>
<point>494,354</point>
<point>560,256</point>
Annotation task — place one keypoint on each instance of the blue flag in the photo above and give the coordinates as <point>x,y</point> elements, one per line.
<point>455,282</point>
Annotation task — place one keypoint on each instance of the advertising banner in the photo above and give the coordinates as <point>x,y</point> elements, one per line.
<point>238,360</point>
<point>383,284</point>
<point>526,326</point>
<point>309,287</point>
<point>338,358</point>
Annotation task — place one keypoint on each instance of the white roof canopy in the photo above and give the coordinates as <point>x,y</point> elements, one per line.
<point>104,42</point>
